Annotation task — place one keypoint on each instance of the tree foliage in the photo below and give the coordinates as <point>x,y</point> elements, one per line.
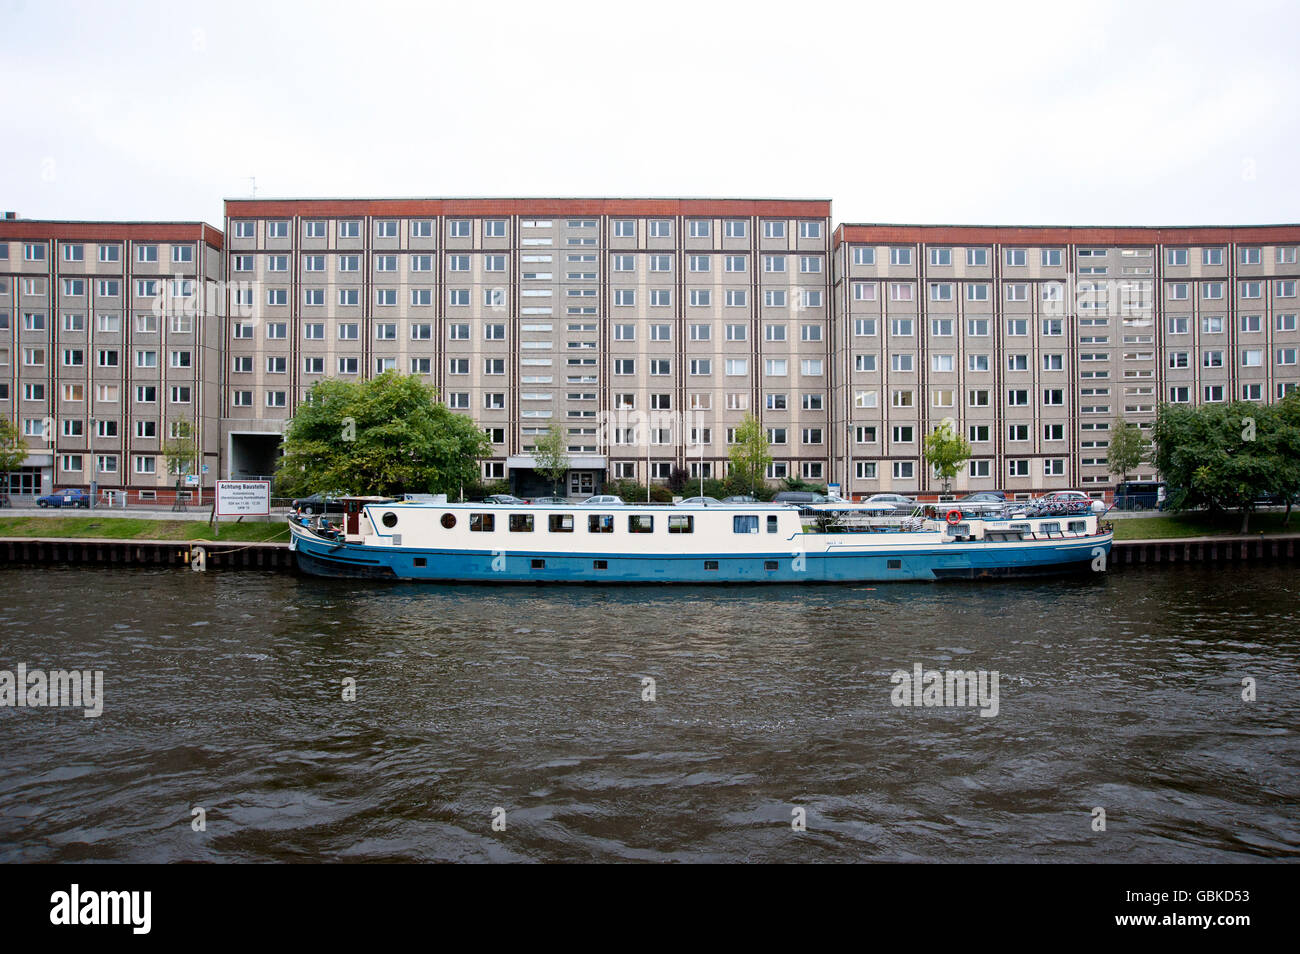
<point>182,450</point>
<point>13,449</point>
<point>799,484</point>
<point>389,435</point>
<point>633,492</point>
<point>1126,449</point>
<point>1282,444</point>
<point>947,452</point>
<point>551,455</point>
<point>1229,456</point>
<point>751,454</point>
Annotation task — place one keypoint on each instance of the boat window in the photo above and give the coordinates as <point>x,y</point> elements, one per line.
<point>448,520</point>
<point>600,564</point>
<point>600,523</point>
<point>710,564</point>
<point>521,523</point>
<point>560,523</point>
<point>389,519</point>
<point>745,523</point>
<point>771,523</point>
<point>640,523</point>
<point>1021,527</point>
<point>1077,526</point>
<point>959,529</point>
<point>1053,527</point>
<point>484,522</point>
<point>680,523</point>
<point>769,564</point>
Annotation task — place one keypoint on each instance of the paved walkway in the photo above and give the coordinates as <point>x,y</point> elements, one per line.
<point>1221,538</point>
<point>133,513</point>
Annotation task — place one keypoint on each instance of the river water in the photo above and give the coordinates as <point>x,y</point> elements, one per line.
<point>771,707</point>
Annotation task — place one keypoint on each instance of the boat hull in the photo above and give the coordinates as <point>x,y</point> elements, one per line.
<point>839,564</point>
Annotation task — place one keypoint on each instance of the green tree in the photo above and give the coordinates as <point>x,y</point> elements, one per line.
<point>947,452</point>
<point>1221,456</point>
<point>799,484</point>
<point>389,435</point>
<point>1126,450</point>
<point>551,455</point>
<point>181,450</point>
<point>13,449</point>
<point>750,455</point>
<point>1282,443</point>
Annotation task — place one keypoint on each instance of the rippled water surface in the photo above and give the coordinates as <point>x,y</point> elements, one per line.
<point>224,691</point>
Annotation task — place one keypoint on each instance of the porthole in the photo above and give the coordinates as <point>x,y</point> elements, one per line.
<point>448,520</point>
<point>389,519</point>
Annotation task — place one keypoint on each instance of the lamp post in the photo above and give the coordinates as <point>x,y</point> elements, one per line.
<point>699,436</point>
<point>94,464</point>
<point>848,468</point>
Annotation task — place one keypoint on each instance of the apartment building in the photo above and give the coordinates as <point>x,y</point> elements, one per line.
<point>1033,341</point>
<point>645,328</point>
<point>109,340</point>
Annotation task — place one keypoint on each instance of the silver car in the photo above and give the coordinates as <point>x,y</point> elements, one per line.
<point>890,503</point>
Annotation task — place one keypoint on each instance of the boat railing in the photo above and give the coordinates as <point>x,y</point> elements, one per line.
<point>319,525</point>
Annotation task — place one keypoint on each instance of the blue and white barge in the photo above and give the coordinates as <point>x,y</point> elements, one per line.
<point>742,543</point>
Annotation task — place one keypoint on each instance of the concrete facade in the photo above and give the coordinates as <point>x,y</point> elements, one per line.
<point>645,328</point>
<point>110,338</point>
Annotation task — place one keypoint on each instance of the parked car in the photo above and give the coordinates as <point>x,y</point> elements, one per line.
<point>981,501</point>
<point>739,499</point>
<point>700,502</point>
<point>800,497</point>
<point>604,500</point>
<point>1141,495</point>
<point>1274,500</point>
<point>550,501</point>
<point>317,503</point>
<point>890,503</point>
<point>506,500</point>
<point>1064,496</point>
<point>72,497</point>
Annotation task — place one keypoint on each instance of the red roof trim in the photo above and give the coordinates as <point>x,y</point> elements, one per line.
<point>555,208</point>
<point>1063,235</point>
<point>27,229</point>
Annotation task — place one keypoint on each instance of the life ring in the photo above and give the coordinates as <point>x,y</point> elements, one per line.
<point>954,517</point>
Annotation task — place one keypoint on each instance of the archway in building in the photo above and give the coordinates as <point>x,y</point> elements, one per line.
<point>253,456</point>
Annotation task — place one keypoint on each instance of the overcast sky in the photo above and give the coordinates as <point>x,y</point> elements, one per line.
<point>1035,113</point>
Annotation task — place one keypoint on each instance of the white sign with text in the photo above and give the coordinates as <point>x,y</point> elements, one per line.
<point>243,498</point>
